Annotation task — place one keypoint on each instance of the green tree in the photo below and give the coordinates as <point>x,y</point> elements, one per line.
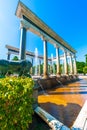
<point>85,70</point>
<point>41,68</point>
<point>15,58</point>
<point>80,66</point>
<point>54,68</point>
<point>86,59</point>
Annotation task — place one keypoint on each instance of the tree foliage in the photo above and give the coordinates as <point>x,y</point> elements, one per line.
<point>85,70</point>
<point>15,58</point>
<point>80,66</point>
<point>86,58</point>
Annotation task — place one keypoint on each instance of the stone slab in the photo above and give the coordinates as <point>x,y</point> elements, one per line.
<point>81,121</point>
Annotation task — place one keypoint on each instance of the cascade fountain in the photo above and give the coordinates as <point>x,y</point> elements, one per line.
<point>36,61</point>
<point>52,62</point>
<point>43,90</point>
<point>60,83</point>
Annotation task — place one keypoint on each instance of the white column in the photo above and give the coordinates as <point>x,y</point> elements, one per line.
<point>65,62</point>
<point>71,64</point>
<point>32,65</point>
<point>45,59</point>
<point>22,52</point>
<point>75,68</point>
<point>39,66</point>
<point>8,55</point>
<point>32,60</point>
<point>57,61</point>
<point>51,67</point>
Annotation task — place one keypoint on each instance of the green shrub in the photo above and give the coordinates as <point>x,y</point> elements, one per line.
<point>85,70</point>
<point>16,103</point>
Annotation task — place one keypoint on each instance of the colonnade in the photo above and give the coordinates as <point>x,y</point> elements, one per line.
<point>30,21</point>
<point>22,56</point>
<point>72,58</point>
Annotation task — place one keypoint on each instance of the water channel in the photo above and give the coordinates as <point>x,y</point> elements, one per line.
<point>65,102</point>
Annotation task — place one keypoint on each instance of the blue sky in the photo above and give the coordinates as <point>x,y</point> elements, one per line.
<point>68,18</point>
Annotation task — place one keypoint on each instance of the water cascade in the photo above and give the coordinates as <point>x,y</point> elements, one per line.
<point>36,61</point>
<point>43,91</point>
<point>60,83</point>
<point>52,63</point>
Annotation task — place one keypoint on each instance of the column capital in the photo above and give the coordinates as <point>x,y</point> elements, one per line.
<point>8,53</point>
<point>74,56</point>
<point>56,46</point>
<point>24,24</point>
<point>43,38</point>
<point>70,53</point>
<point>65,51</point>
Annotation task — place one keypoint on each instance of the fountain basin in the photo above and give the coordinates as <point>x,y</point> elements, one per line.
<point>53,82</point>
<point>48,83</point>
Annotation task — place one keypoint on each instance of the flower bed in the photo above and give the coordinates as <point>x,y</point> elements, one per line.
<point>16,103</point>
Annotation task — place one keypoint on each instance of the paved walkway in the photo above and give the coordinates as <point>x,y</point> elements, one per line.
<point>65,103</point>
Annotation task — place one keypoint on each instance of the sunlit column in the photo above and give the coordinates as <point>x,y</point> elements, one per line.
<point>57,61</point>
<point>65,62</point>
<point>39,66</point>
<point>74,61</point>
<point>32,61</point>
<point>22,53</point>
<point>8,56</point>
<point>45,59</point>
<point>32,66</point>
<point>71,64</point>
<point>50,67</point>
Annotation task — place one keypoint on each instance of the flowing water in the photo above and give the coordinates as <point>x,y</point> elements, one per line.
<point>42,90</point>
<point>65,102</point>
<point>60,83</point>
<point>52,63</point>
<point>36,61</point>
